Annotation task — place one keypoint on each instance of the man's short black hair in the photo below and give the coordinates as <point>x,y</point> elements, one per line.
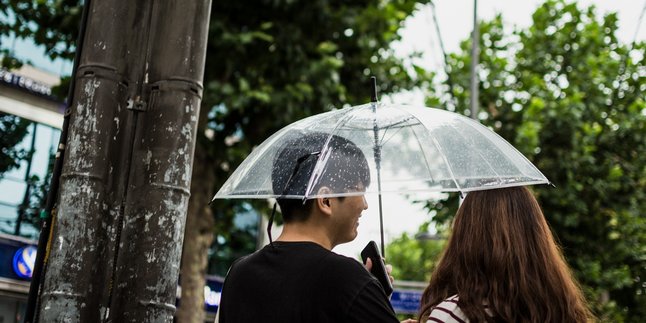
<point>345,168</point>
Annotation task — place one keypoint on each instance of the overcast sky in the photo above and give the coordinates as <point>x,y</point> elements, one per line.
<point>455,19</point>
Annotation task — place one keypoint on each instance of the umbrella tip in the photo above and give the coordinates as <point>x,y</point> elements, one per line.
<point>373,83</point>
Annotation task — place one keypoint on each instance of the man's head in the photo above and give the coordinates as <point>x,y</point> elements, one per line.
<point>345,169</point>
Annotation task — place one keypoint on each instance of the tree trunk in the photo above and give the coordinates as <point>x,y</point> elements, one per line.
<point>198,236</point>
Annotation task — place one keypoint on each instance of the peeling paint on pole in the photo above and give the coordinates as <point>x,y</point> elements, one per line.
<point>71,288</point>
<point>156,209</point>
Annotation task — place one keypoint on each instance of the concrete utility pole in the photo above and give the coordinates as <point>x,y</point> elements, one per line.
<point>118,232</point>
<point>475,44</point>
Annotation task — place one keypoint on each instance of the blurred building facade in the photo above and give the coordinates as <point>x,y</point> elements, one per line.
<point>30,122</point>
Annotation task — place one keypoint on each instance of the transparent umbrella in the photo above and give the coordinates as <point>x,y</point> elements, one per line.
<point>393,148</point>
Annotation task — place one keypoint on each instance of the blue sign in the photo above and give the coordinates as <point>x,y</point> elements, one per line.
<point>212,292</point>
<point>24,260</point>
<point>406,301</point>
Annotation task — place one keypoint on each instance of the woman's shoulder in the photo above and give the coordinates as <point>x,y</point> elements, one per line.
<point>447,311</point>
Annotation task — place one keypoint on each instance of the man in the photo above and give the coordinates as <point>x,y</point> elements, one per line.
<point>297,278</point>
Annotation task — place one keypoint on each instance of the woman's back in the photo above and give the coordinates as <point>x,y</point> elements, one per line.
<point>501,253</point>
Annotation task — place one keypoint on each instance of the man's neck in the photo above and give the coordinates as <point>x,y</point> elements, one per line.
<point>303,231</point>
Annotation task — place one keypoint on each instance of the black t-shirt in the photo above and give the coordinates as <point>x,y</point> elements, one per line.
<point>301,282</point>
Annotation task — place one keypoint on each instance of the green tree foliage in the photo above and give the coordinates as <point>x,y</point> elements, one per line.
<point>569,96</point>
<point>279,61</point>
<point>239,239</point>
<point>50,23</point>
<point>413,259</point>
<point>13,130</point>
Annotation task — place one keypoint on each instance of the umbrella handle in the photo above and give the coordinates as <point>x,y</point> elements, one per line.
<point>381,229</point>
<point>377,155</point>
<point>373,96</point>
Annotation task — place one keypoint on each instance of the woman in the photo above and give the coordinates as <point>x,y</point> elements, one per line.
<point>501,264</point>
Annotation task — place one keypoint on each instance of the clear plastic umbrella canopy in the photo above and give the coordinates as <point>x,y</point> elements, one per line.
<point>380,148</point>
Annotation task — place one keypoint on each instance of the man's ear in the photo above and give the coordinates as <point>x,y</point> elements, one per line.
<point>323,203</point>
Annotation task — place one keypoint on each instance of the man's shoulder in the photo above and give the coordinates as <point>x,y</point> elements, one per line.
<point>345,268</point>
<point>243,259</point>
<point>344,261</point>
<point>299,255</point>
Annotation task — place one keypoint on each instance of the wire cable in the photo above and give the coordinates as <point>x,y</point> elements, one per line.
<point>449,81</point>
<point>639,22</point>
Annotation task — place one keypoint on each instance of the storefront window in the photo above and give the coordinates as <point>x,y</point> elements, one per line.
<point>26,159</point>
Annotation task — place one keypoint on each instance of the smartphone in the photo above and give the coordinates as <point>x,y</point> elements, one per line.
<point>378,267</point>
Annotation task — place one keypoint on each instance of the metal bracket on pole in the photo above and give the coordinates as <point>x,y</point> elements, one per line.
<point>137,104</point>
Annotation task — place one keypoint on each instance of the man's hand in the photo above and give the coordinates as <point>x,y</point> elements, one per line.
<point>389,269</point>
<point>409,321</point>
<point>368,264</point>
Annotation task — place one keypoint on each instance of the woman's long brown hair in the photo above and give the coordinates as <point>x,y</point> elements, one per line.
<point>501,253</point>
